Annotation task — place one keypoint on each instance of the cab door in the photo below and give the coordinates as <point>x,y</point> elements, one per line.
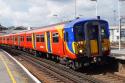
<point>93,38</point>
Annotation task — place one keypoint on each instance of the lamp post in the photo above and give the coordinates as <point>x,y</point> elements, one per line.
<point>96,6</point>
<point>119,19</point>
<point>75,9</point>
<point>114,11</point>
<point>56,16</point>
<point>58,19</point>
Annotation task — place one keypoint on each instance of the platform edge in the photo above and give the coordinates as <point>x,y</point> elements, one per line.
<point>28,73</point>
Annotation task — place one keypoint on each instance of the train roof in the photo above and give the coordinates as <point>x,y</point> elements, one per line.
<point>66,24</point>
<point>72,23</point>
<point>45,28</point>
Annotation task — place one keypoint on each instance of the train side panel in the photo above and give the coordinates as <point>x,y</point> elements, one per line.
<point>69,43</point>
<point>29,41</point>
<point>22,40</point>
<point>3,40</point>
<point>40,41</point>
<point>58,41</point>
<point>10,40</point>
<point>15,39</point>
<point>0,39</point>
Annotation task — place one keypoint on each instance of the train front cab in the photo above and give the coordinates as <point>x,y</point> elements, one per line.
<point>91,42</point>
<point>95,38</point>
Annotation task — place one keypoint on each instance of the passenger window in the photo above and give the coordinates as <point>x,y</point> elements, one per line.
<point>21,38</point>
<point>7,39</point>
<point>29,39</point>
<point>55,37</point>
<point>37,38</point>
<point>42,38</point>
<point>15,38</point>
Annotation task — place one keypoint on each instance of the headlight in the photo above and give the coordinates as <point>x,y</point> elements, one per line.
<point>80,51</point>
<point>104,48</point>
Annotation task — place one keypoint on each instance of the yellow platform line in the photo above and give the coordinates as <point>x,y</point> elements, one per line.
<point>8,70</point>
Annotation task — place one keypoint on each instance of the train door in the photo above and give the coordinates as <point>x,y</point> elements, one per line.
<point>33,41</point>
<point>48,42</point>
<point>93,38</point>
<point>12,40</point>
<point>19,40</point>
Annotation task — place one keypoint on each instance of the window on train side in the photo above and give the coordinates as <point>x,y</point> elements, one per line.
<point>21,38</point>
<point>15,38</point>
<point>29,39</point>
<point>12,38</point>
<point>40,38</point>
<point>7,39</point>
<point>55,37</point>
<point>37,38</point>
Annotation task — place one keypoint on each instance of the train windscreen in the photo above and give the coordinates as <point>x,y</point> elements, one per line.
<point>92,31</point>
<point>79,32</point>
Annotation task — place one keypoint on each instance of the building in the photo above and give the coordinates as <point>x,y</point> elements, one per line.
<point>13,30</point>
<point>114,33</point>
<point>3,29</point>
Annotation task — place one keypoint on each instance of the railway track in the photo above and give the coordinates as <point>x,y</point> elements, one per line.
<point>110,78</point>
<point>66,75</point>
<point>58,71</point>
<point>53,72</point>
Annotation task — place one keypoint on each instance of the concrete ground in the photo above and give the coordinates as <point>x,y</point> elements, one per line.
<point>10,72</point>
<point>118,54</point>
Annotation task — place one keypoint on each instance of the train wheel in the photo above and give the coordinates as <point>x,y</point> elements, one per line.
<point>42,55</point>
<point>75,65</point>
<point>48,56</point>
<point>52,58</point>
<point>57,59</point>
<point>38,54</point>
<point>78,65</point>
<point>35,53</point>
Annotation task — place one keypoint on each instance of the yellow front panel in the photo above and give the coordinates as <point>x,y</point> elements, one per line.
<point>94,46</point>
<point>106,44</point>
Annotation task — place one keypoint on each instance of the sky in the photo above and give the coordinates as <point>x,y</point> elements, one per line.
<point>36,13</point>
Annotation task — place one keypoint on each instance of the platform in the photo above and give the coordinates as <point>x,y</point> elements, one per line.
<point>12,72</point>
<point>118,54</point>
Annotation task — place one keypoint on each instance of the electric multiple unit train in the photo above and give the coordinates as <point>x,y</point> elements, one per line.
<point>75,43</point>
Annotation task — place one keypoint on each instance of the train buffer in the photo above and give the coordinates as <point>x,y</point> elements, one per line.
<point>12,71</point>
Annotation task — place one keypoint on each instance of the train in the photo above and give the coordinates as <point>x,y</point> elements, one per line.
<point>75,43</point>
